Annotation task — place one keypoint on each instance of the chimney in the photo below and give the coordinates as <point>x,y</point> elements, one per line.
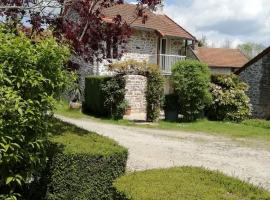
<point>160,8</point>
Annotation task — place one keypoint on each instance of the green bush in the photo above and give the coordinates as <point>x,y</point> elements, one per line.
<point>105,96</point>
<point>114,91</point>
<point>154,94</point>
<point>32,75</point>
<point>84,165</point>
<point>229,99</point>
<point>191,81</point>
<point>187,183</point>
<point>94,97</point>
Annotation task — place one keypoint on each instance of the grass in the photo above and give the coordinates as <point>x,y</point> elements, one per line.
<point>258,129</point>
<point>78,141</point>
<point>186,183</point>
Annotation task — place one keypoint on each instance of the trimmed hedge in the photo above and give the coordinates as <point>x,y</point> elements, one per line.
<point>94,97</point>
<point>84,165</point>
<point>105,96</point>
<point>188,183</point>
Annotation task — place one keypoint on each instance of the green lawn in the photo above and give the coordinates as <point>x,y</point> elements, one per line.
<point>186,183</point>
<point>248,129</point>
<point>78,141</point>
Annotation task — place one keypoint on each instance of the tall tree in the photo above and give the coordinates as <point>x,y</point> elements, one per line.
<point>251,49</point>
<point>80,21</point>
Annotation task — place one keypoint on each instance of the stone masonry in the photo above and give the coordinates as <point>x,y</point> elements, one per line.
<point>257,76</point>
<point>135,93</point>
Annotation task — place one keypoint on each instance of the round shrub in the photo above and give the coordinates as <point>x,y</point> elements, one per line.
<point>229,99</point>
<point>191,81</point>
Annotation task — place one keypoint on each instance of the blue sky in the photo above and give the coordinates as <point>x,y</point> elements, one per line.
<point>238,21</point>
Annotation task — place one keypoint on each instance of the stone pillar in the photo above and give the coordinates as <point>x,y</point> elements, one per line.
<point>136,86</point>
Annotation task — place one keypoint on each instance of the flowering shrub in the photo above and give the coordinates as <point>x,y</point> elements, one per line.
<point>229,99</point>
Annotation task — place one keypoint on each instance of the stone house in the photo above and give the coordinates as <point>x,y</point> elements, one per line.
<point>159,41</point>
<point>220,60</point>
<point>256,73</point>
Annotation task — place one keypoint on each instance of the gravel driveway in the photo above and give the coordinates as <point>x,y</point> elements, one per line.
<point>149,148</point>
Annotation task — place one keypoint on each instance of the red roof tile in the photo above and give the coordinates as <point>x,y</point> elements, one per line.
<point>161,23</point>
<point>221,57</point>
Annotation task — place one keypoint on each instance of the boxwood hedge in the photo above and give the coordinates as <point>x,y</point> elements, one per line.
<point>189,183</point>
<point>94,97</point>
<point>84,165</point>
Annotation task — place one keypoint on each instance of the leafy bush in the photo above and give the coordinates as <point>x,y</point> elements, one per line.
<point>31,76</point>
<point>114,91</point>
<point>94,97</point>
<point>191,81</point>
<point>189,183</point>
<point>105,96</point>
<point>229,99</point>
<point>84,166</point>
<point>154,94</point>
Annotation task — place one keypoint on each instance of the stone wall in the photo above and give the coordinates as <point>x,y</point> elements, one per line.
<point>136,86</point>
<point>257,76</point>
<point>141,46</point>
<point>176,46</point>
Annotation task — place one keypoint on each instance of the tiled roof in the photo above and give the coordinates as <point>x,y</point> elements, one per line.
<point>221,57</point>
<point>160,23</point>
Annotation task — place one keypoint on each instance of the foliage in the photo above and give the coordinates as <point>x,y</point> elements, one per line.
<point>154,95</point>
<point>94,98</point>
<point>229,99</point>
<point>82,22</point>
<point>155,83</point>
<point>31,76</point>
<point>191,81</point>
<point>114,91</point>
<point>84,166</point>
<point>105,96</point>
<point>250,50</point>
<point>186,183</point>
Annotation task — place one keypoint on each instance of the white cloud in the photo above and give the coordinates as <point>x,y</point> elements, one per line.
<point>222,20</point>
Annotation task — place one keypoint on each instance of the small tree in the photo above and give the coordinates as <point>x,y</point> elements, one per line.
<point>31,76</point>
<point>191,81</point>
<point>229,99</point>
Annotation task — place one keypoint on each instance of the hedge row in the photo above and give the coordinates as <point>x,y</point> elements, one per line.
<point>83,165</point>
<point>94,97</point>
<point>105,96</point>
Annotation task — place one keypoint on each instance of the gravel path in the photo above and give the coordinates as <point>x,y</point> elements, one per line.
<point>149,148</point>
